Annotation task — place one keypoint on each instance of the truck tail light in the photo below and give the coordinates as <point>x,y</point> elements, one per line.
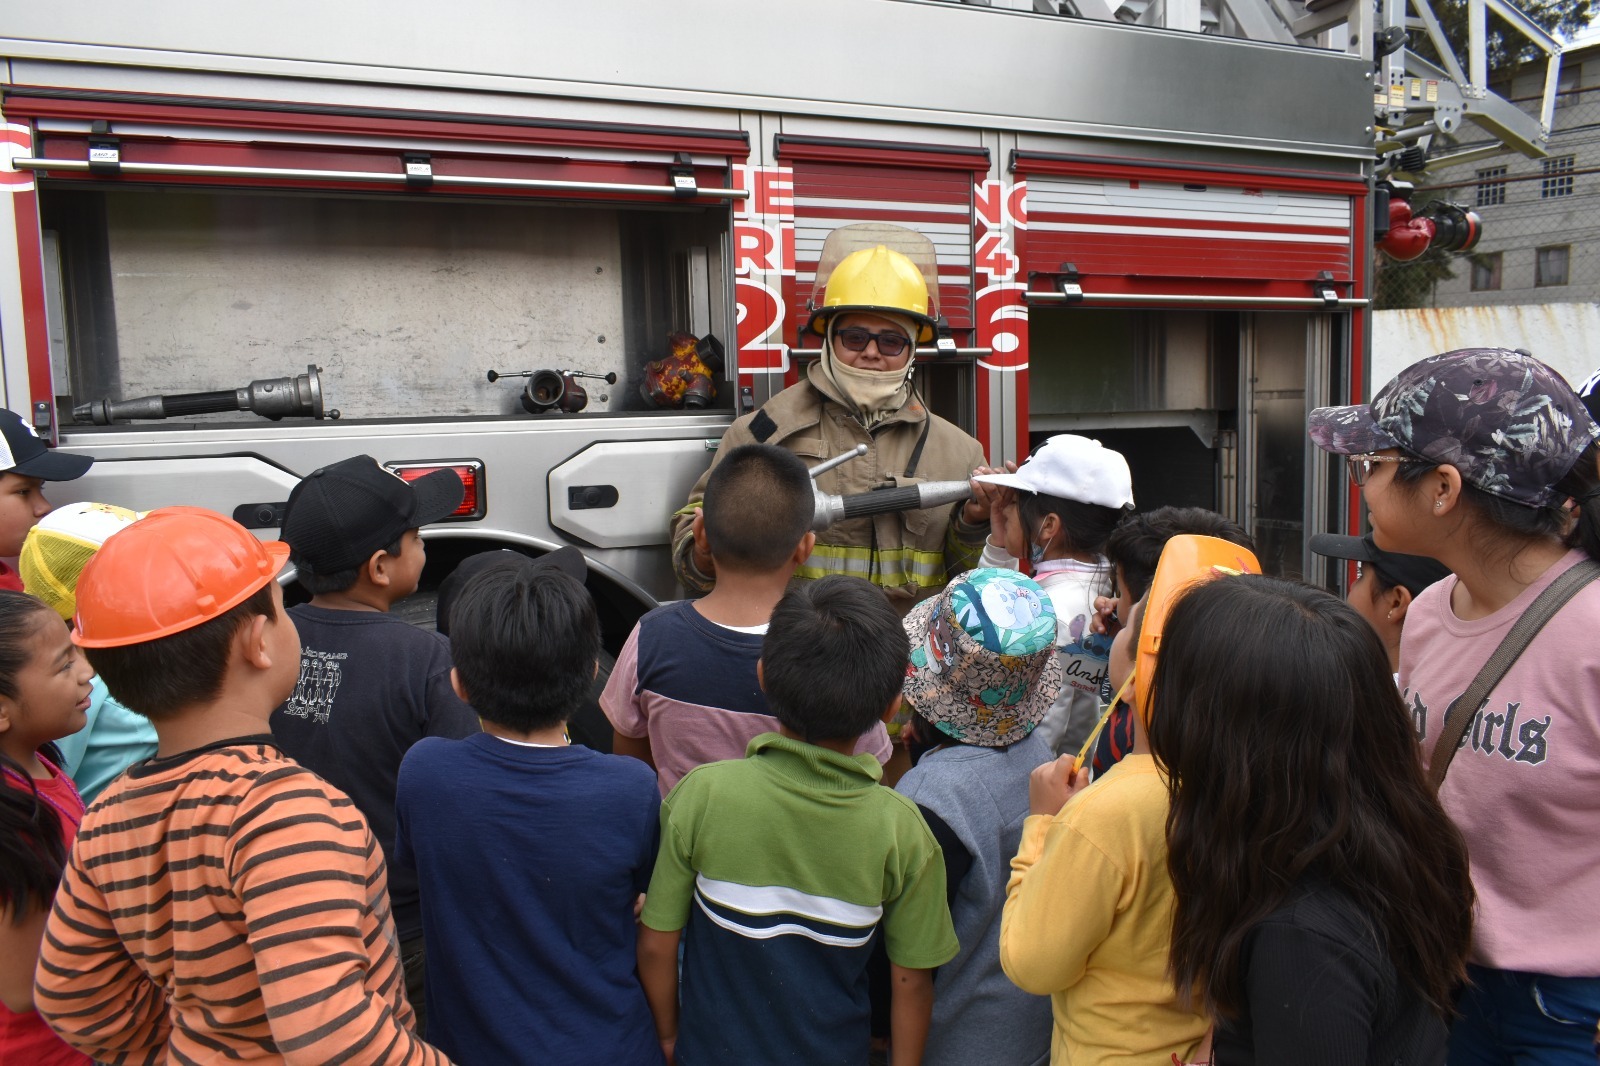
<point>474,503</point>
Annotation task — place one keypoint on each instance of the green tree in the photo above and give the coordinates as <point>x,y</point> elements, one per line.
<point>1508,49</point>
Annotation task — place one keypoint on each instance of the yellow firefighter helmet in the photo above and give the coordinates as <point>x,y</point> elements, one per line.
<point>877,268</point>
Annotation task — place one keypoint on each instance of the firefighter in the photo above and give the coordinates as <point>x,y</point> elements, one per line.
<point>875,309</point>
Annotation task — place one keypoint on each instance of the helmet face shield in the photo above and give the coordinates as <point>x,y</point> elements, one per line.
<point>876,267</point>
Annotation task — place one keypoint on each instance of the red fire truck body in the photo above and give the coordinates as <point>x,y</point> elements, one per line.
<point>1156,237</point>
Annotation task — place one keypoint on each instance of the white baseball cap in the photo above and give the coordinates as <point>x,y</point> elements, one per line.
<point>1072,468</point>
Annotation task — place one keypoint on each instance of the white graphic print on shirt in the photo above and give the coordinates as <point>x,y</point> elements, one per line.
<point>320,674</point>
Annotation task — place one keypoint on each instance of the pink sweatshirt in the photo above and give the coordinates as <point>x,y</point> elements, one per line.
<point>1524,787</point>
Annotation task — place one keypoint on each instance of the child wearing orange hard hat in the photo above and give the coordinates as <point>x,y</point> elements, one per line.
<point>155,948</point>
<point>1088,908</point>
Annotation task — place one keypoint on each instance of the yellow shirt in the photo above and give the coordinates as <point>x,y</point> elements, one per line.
<point>1088,921</point>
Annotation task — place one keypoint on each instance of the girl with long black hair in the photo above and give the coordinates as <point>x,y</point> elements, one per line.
<point>44,694</point>
<point>1323,907</point>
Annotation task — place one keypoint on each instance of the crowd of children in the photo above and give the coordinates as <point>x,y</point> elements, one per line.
<point>1155,807</point>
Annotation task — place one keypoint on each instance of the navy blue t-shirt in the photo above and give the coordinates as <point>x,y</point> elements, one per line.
<point>371,685</point>
<point>529,860</point>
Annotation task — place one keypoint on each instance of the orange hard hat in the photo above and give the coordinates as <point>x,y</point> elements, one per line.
<point>172,570</point>
<point>1186,561</point>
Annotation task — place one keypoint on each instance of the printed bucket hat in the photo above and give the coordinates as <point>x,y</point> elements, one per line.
<point>1510,424</point>
<point>983,667</point>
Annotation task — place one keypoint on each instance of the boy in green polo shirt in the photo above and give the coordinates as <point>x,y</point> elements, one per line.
<point>784,865</point>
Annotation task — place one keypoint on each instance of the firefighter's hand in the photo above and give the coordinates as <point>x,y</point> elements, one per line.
<point>977,510</point>
<point>1002,510</point>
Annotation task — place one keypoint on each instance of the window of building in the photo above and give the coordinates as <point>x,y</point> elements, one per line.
<point>1557,180</point>
<point>1569,86</point>
<point>1490,190</point>
<point>1550,264</point>
<point>1486,272</point>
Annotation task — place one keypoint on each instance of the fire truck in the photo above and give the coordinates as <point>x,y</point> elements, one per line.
<point>239,244</point>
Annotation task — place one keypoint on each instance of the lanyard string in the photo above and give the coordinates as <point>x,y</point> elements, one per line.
<point>1105,716</point>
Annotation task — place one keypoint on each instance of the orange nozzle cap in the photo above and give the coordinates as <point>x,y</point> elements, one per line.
<point>1186,561</point>
<point>173,569</point>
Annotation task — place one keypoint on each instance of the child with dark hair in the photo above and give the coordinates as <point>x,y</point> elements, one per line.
<point>531,954</point>
<point>1134,546</point>
<point>983,673</point>
<point>1134,549</point>
<point>1323,908</point>
<point>784,866</point>
<point>1386,583</point>
<point>684,690</point>
<point>221,901</point>
<point>371,684</point>
<point>26,465</point>
<point>44,692</point>
<point>53,558</point>
<point>1060,506</point>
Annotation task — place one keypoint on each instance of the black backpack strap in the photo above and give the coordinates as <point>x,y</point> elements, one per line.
<point>1540,611</point>
<point>922,442</point>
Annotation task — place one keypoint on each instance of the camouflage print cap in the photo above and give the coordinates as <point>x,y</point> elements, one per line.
<point>1510,424</point>
<point>984,668</point>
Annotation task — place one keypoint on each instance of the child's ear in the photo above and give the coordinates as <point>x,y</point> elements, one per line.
<point>698,527</point>
<point>1397,601</point>
<point>8,710</point>
<point>252,640</point>
<point>761,676</point>
<point>376,568</point>
<point>802,551</point>
<point>894,706</point>
<point>461,693</point>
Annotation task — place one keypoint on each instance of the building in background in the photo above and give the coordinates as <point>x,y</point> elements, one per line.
<point>1533,280</point>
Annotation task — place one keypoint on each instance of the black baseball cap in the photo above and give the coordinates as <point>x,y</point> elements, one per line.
<point>1411,572</point>
<point>342,513</point>
<point>22,452</point>
<point>567,560</point>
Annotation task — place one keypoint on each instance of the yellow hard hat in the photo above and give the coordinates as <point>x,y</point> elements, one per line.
<point>61,545</point>
<point>875,279</point>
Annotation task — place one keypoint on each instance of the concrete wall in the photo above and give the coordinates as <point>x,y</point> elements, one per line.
<point>1565,335</point>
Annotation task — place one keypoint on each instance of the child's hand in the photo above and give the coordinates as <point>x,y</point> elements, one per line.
<point>1105,618</point>
<point>985,496</point>
<point>1050,786</point>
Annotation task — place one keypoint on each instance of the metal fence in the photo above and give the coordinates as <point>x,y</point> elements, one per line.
<point>1541,222</point>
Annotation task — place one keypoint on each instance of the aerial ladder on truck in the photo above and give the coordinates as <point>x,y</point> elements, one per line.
<point>1419,104</point>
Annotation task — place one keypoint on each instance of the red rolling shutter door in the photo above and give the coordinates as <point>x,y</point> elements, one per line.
<point>1130,227</point>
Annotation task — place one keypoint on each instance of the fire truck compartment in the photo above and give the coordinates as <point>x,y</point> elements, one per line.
<point>405,303</point>
<point>613,495</point>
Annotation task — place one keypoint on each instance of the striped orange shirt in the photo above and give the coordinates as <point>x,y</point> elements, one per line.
<point>226,903</point>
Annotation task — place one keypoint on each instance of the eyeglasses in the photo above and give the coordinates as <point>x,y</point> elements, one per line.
<point>1361,466</point>
<point>856,340</point>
